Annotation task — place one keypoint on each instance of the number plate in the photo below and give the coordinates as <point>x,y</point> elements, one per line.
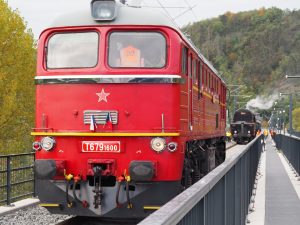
<point>101,146</point>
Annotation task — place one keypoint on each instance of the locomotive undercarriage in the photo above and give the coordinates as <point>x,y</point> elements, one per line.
<point>102,194</point>
<point>201,157</point>
<point>243,139</point>
<point>85,200</point>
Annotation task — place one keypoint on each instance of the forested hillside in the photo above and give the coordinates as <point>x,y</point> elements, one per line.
<point>17,69</point>
<point>256,48</point>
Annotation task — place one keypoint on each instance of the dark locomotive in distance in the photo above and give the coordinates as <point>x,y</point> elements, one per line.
<point>128,112</point>
<point>244,126</point>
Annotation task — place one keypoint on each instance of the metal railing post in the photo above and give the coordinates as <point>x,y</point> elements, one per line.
<point>16,177</point>
<point>34,181</point>
<point>291,114</point>
<point>290,148</point>
<point>8,180</point>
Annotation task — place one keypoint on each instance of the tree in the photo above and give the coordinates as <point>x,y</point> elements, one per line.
<point>17,69</point>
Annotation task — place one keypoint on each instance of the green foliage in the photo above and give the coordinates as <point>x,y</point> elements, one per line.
<point>17,68</point>
<point>255,48</point>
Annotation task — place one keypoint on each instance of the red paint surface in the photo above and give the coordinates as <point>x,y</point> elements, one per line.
<point>140,107</point>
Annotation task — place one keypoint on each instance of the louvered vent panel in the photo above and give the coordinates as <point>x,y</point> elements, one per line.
<point>100,116</point>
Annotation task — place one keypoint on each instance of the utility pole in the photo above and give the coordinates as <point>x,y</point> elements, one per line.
<point>291,104</point>
<point>290,111</point>
<point>235,102</point>
<point>291,114</point>
<point>234,91</point>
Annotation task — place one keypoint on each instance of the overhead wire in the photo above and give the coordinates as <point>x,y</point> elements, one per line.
<point>167,7</point>
<point>184,12</point>
<point>164,8</point>
<point>146,5</point>
<point>168,14</point>
<point>191,8</point>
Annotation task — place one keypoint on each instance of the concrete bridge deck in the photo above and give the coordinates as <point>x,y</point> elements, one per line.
<point>277,200</point>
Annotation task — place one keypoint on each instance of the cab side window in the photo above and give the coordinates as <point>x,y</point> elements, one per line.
<point>184,60</point>
<point>200,79</point>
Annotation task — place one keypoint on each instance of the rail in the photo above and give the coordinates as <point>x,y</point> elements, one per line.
<point>220,198</point>
<point>289,145</point>
<point>16,177</point>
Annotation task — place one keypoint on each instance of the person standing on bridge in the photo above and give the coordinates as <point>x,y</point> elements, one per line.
<point>263,144</point>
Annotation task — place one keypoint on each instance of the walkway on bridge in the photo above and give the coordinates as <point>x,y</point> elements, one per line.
<point>277,200</point>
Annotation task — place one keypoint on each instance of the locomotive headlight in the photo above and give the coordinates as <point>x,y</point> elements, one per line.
<point>172,146</point>
<point>48,143</point>
<point>158,144</point>
<point>103,10</point>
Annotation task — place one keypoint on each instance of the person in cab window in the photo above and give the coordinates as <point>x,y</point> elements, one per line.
<point>131,57</point>
<point>155,56</point>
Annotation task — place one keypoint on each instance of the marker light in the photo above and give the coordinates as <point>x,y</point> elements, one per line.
<point>48,143</point>
<point>172,146</point>
<point>158,144</point>
<point>36,146</point>
<point>103,10</point>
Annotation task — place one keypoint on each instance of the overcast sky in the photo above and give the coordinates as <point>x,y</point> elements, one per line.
<point>39,14</point>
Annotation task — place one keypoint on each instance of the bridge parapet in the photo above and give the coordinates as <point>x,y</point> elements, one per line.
<point>290,147</point>
<point>220,198</point>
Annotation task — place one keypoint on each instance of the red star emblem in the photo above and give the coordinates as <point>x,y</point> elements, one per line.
<point>102,96</point>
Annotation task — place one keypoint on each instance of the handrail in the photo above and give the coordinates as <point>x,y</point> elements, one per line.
<point>16,177</point>
<point>225,191</point>
<point>289,145</point>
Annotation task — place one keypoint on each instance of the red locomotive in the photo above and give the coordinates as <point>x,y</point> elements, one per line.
<point>128,113</point>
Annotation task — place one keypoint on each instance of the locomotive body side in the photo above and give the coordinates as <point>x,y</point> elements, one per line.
<point>117,135</point>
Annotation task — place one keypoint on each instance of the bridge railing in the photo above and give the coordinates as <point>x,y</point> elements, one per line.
<point>290,147</point>
<point>220,198</point>
<point>16,177</point>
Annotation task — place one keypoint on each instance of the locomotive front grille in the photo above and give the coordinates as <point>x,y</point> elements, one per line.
<point>100,116</point>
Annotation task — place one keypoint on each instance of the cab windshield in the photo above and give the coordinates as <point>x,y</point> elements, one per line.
<point>72,50</point>
<point>137,49</point>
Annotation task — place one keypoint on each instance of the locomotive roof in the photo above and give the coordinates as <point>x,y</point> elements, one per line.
<point>127,15</point>
<point>242,115</point>
<point>244,110</point>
